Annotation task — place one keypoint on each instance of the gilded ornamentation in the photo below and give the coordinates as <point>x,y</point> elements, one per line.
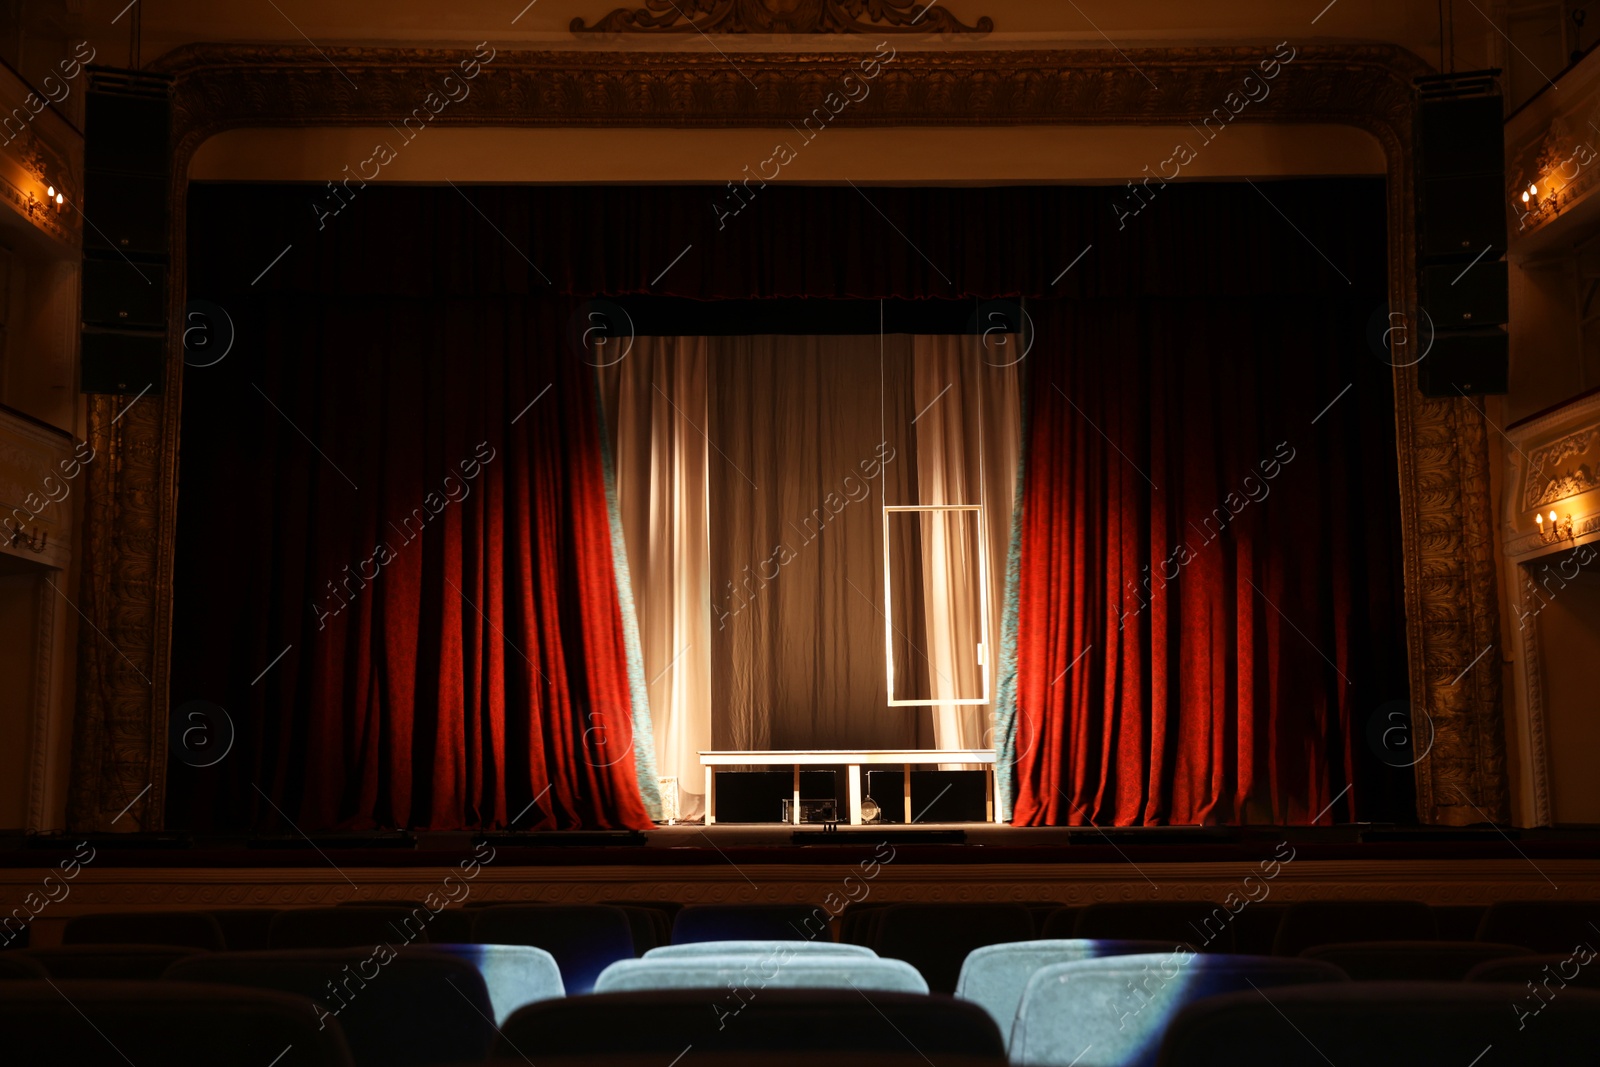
<point>782,16</point>
<point>1559,486</point>
<point>1449,565</point>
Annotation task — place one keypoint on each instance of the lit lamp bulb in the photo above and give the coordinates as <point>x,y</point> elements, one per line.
<point>50,192</point>
<point>1539,521</point>
<point>1552,516</point>
<point>60,199</point>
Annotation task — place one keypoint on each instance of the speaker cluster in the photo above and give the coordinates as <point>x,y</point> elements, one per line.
<point>125,235</point>
<point>1461,235</point>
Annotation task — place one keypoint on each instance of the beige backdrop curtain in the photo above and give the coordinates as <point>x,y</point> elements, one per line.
<point>812,437</point>
<point>655,402</point>
<point>968,445</point>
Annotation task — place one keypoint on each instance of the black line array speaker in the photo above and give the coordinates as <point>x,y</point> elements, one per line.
<point>936,796</point>
<point>127,124</point>
<point>758,796</point>
<point>1461,233</point>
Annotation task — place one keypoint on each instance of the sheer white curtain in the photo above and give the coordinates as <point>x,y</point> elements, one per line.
<point>968,445</point>
<point>656,399</point>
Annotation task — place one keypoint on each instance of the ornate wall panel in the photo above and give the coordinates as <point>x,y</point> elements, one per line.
<point>1449,564</point>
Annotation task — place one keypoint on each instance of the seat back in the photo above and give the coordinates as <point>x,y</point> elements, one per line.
<point>749,922</point>
<point>995,976</point>
<point>1546,974</point>
<point>758,948</point>
<point>1333,922</point>
<point>349,927</point>
<point>760,973</point>
<point>174,1024</point>
<point>16,965</point>
<point>936,938</point>
<point>245,929</point>
<point>515,975</point>
<point>583,938</point>
<point>1542,926</point>
<point>111,963</point>
<point>1112,1011</point>
<point>1409,961</point>
<point>663,1023</point>
<point>396,1008</point>
<point>194,929</point>
<point>1379,1024</point>
<point>1205,926</point>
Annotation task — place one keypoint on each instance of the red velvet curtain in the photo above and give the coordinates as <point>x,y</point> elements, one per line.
<point>1209,593</point>
<point>368,492</point>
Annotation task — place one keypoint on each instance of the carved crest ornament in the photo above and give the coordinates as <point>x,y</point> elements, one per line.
<point>783,16</point>
<point>1451,595</point>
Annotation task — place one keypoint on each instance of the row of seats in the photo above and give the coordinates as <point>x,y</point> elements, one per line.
<point>934,938</point>
<point>1045,1003</point>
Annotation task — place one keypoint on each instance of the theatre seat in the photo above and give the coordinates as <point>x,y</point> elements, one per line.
<point>994,977</point>
<point>195,929</point>
<point>1410,961</point>
<point>122,963</point>
<point>163,1024</point>
<point>16,965</point>
<point>936,938</point>
<point>583,938</point>
<point>649,926</point>
<point>1204,926</point>
<point>759,949</point>
<point>749,922</point>
<point>1334,922</point>
<point>245,929</point>
<point>515,975</point>
<point>665,1023</point>
<point>348,927</point>
<point>1540,925</point>
<point>1381,1024</point>
<point>761,973</point>
<point>1111,1012</point>
<point>1549,973</point>
<point>396,1009</point>
<point>860,922</point>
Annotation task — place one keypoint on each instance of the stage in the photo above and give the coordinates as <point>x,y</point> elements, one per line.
<point>775,863</point>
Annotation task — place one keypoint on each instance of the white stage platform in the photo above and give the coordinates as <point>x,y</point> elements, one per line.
<point>853,761</point>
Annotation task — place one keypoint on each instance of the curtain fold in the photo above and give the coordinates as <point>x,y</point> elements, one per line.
<point>968,445</point>
<point>656,400</point>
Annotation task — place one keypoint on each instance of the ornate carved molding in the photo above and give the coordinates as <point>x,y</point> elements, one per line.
<point>782,16</point>
<point>1450,577</point>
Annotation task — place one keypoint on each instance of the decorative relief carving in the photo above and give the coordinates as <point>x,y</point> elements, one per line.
<point>1449,564</point>
<point>782,16</point>
<point>1545,485</point>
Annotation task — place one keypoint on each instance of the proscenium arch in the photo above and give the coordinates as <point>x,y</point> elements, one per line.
<point>120,736</point>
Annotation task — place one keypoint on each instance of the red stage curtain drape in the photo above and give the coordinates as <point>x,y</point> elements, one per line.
<point>1208,594</point>
<point>367,491</point>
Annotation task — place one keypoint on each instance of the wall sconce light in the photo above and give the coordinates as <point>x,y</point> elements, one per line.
<point>34,542</point>
<point>1557,529</point>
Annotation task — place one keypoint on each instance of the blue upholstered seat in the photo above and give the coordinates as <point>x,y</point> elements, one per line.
<point>1112,1011</point>
<point>762,972</point>
<point>758,948</point>
<point>514,974</point>
<point>584,938</point>
<point>995,976</point>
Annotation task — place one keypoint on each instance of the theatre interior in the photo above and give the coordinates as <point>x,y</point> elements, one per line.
<point>922,533</point>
